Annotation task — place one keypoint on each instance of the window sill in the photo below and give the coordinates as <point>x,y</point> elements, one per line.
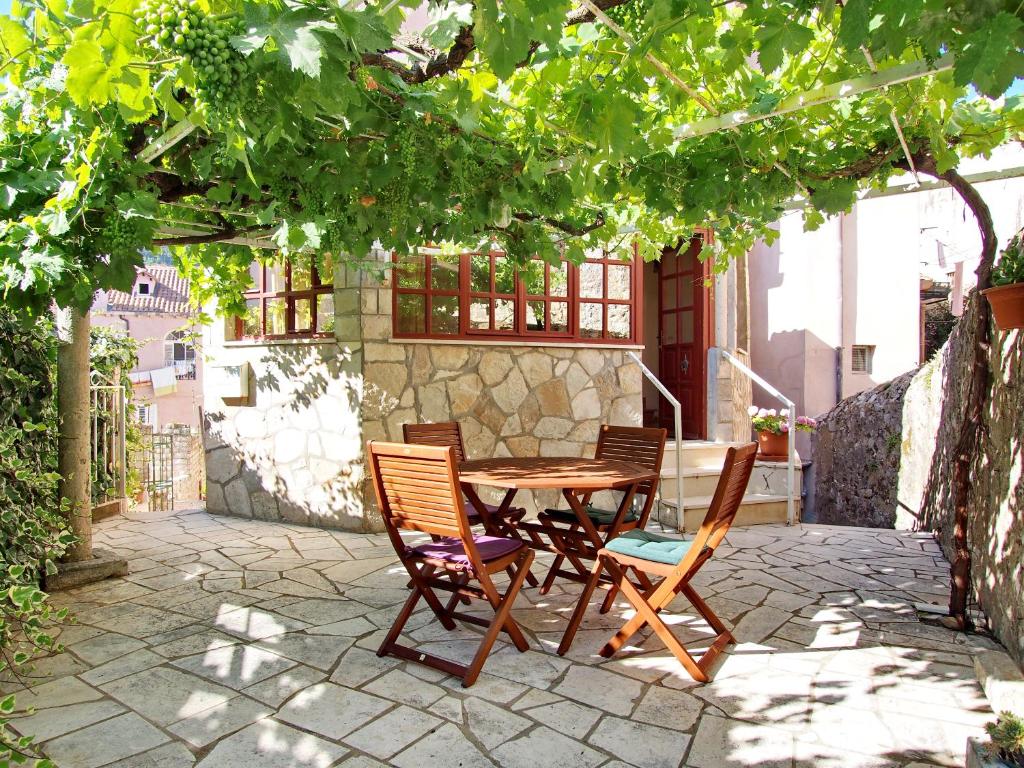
<point>243,343</point>
<point>518,342</point>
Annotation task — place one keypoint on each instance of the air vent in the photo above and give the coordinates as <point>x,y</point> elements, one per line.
<point>863,358</point>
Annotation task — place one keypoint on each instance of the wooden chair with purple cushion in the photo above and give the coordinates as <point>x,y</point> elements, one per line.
<point>417,488</point>
<point>637,445</point>
<point>450,433</point>
<point>676,561</point>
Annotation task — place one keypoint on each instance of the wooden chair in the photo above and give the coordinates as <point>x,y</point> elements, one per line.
<point>417,489</point>
<point>643,446</point>
<point>676,562</point>
<point>450,433</point>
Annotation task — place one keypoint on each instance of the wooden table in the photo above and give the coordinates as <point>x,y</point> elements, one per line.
<point>569,475</point>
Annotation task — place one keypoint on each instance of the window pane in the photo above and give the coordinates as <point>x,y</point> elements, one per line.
<point>325,312</point>
<point>411,314</point>
<point>559,316</point>
<point>444,314</point>
<point>591,280</point>
<point>535,316</point>
<point>686,291</point>
<point>590,321</point>
<point>303,315</point>
<point>618,282</point>
<point>251,318</point>
<point>686,326</point>
<point>276,311</point>
<point>558,280</point>
<point>504,275</point>
<point>480,314</point>
<point>533,278</point>
<point>504,315</point>
<point>618,321</point>
<point>325,269</point>
<point>254,276</point>
<point>410,272</point>
<point>444,272</point>
<point>480,273</point>
<point>302,277</point>
<point>669,323</point>
<point>668,293</point>
<point>275,279</point>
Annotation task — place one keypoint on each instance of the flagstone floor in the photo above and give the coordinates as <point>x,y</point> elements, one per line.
<point>237,643</point>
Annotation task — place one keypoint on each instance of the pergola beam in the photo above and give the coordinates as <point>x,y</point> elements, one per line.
<point>825,94</point>
<point>166,140</point>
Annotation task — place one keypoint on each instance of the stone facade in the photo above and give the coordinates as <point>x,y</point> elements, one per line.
<point>511,400</point>
<point>856,455</point>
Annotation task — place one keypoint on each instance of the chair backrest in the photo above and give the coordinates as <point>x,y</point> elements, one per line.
<point>732,484</point>
<point>417,489</point>
<point>640,445</point>
<point>442,433</point>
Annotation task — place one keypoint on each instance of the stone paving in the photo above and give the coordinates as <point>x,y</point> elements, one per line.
<point>235,643</point>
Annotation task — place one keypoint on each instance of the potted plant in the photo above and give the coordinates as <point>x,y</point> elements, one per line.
<point>1006,296</point>
<point>1005,748</point>
<point>773,431</point>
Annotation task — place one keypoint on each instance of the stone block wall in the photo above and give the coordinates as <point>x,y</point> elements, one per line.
<point>511,400</point>
<point>856,454</point>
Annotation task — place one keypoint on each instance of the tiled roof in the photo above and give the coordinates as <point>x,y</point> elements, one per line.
<point>169,294</point>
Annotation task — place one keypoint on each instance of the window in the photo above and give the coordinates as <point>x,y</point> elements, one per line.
<point>146,414</point>
<point>180,352</point>
<point>863,358</point>
<point>483,295</point>
<point>287,301</point>
<point>143,289</point>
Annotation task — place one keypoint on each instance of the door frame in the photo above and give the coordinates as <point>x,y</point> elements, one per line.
<point>704,322</point>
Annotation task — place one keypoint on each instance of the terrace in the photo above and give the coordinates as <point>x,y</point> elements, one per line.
<point>244,643</point>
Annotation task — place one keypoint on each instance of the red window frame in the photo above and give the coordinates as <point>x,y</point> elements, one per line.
<point>262,296</point>
<point>520,330</point>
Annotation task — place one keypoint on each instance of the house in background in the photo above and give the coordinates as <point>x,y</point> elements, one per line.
<point>167,381</point>
<point>530,364</point>
<point>840,310</point>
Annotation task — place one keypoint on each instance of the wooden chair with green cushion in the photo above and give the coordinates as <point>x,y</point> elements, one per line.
<point>638,445</point>
<point>676,562</point>
<point>417,488</point>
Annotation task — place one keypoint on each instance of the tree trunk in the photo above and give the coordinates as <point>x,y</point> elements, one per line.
<point>73,441</point>
<point>978,389</point>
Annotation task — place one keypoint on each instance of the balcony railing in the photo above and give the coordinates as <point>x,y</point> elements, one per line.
<point>183,369</point>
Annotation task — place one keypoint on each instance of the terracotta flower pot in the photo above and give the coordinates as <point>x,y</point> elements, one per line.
<point>772,446</point>
<point>1007,303</point>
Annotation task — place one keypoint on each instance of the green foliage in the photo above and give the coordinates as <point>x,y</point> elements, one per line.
<point>1010,267</point>
<point>1007,734</point>
<point>32,531</point>
<point>110,350</point>
<point>130,124</point>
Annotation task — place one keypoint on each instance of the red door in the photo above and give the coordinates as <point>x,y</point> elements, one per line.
<point>684,335</point>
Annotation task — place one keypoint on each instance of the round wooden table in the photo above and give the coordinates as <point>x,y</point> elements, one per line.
<point>559,472</point>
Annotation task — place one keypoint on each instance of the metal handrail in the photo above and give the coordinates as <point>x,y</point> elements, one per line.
<point>791,435</point>
<point>679,429</point>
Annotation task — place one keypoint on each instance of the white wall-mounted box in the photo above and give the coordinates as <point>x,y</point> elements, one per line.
<point>232,381</point>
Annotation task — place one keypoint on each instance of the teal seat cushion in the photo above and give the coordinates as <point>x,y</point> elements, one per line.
<point>649,546</point>
<point>597,516</point>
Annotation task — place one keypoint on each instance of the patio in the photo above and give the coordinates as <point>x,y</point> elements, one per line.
<point>246,643</point>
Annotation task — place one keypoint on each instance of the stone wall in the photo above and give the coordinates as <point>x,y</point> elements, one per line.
<point>730,394</point>
<point>856,455</point>
<point>292,450</point>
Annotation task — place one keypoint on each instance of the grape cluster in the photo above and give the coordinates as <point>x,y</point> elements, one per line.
<point>181,26</point>
<point>631,16</point>
<point>121,236</point>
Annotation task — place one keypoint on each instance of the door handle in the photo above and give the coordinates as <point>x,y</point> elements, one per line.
<point>685,365</point>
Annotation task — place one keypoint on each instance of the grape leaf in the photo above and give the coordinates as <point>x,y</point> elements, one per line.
<point>777,38</point>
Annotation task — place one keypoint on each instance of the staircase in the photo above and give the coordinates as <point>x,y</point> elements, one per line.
<point>764,502</point>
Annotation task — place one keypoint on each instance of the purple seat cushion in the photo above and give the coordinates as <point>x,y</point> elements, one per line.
<point>473,515</point>
<point>451,549</point>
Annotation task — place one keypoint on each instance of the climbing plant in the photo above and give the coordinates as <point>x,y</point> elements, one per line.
<point>33,534</point>
<point>216,124</point>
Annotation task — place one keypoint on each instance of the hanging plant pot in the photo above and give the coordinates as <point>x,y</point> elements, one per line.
<point>772,446</point>
<point>1007,302</point>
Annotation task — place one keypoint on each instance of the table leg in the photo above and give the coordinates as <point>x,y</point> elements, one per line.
<point>495,524</point>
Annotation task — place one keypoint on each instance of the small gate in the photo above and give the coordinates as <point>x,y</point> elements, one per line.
<point>154,461</point>
<point>108,412</point>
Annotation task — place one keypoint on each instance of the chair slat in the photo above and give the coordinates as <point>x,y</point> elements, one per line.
<point>442,433</point>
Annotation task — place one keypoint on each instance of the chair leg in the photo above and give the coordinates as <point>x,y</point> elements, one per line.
<point>704,610</point>
<point>549,580</point>
<point>581,608</point>
<point>502,605</point>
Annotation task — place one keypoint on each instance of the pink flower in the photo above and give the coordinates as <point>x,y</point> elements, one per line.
<point>784,427</point>
<point>784,412</point>
<point>752,410</point>
<point>772,412</point>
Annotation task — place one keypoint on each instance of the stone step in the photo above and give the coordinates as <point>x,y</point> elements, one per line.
<point>697,454</point>
<point>768,477</point>
<point>756,509</point>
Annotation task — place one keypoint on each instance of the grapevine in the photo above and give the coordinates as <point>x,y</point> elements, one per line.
<point>122,237</point>
<point>181,27</point>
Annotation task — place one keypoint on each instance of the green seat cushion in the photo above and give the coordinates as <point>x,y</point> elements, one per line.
<point>649,546</point>
<point>597,516</point>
